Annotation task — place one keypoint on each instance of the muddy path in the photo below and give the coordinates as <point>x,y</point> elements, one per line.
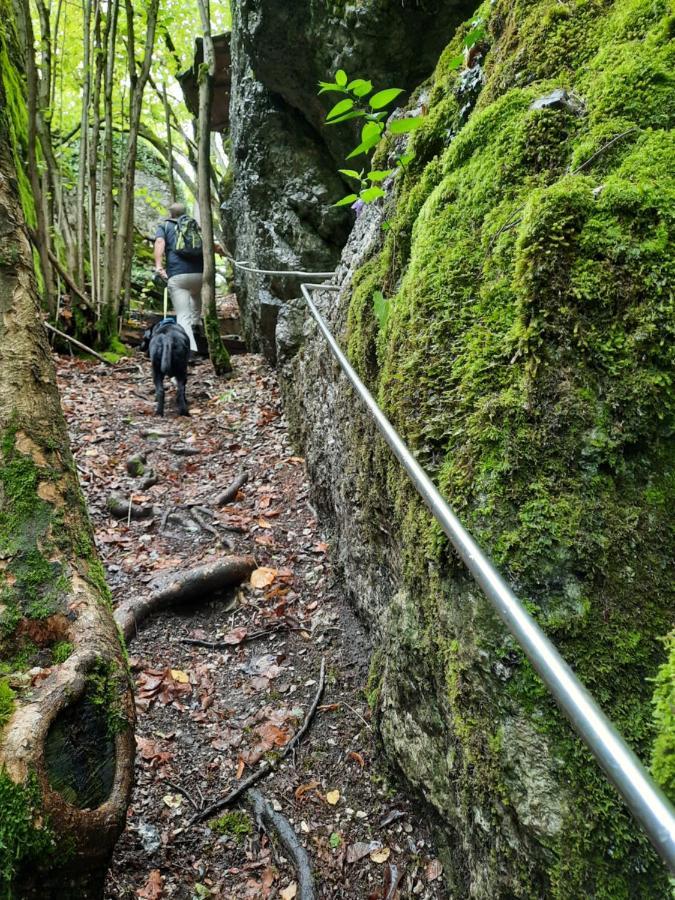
<point>209,716</point>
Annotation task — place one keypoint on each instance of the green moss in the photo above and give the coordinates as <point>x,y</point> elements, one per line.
<point>663,753</point>
<point>61,651</point>
<point>236,824</point>
<point>106,688</point>
<point>220,358</point>
<point>26,837</point>
<point>14,115</point>
<point>6,702</point>
<point>527,358</point>
<point>116,350</point>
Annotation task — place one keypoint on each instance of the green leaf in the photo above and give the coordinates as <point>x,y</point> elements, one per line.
<point>381,308</point>
<point>341,107</point>
<point>348,200</point>
<point>455,63</point>
<point>404,159</point>
<point>341,78</point>
<point>351,173</point>
<point>383,98</point>
<point>379,174</point>
<point>474,36</point>
<point>329,86</point>
<point>385,226</point>
<point>360,87</point>
<point>357,151</point>
<point>403,126</point>
<point>371,193</point>
<point>354,114</point>
<point>335,840</point>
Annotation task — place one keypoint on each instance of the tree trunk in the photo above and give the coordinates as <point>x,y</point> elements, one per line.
<point>123,249</point>
<point>217,351</point>
<point>169,146</point>
<point>66,739</point>
<point>42,228</point>
<point>107,186</point>
<point>93,162</point>
<point>80,208</point>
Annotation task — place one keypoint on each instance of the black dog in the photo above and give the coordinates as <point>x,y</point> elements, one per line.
<point>169,349</point>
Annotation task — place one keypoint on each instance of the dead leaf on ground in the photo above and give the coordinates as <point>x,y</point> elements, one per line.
<point>357,757</point>
<point>153,888</point>
<point>303,789</point>
<point>381,855</point>
<point>357,851</point>
<point>289,892</point>
<point>263,577</point>
<point>332,797</point>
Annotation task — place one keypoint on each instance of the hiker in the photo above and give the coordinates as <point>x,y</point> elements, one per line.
<point>180,239</point>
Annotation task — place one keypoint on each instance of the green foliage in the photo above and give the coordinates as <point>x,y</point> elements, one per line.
<point>6,702</point>
<point>61,651</point>
<point>236,824</point>
<point>663,752</point>
<point>26,836</point>
<point>373,111</point>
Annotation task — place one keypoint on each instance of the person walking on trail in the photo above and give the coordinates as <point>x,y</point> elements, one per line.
<point>179,238</point>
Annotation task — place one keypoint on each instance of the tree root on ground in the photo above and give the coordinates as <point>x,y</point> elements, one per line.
<point>121,508</point>
<point>266,817</point>
<point>230,492</point>
<point>179,587</point>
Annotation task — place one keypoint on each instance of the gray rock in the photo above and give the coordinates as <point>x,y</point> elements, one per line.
<point>149,837</point>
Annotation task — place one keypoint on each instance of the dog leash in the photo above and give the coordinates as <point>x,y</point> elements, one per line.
<point>166,300</point>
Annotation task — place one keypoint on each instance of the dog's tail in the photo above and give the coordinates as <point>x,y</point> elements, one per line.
<point>166,355</point>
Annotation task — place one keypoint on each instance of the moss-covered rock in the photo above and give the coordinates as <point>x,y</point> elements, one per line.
<point>527,358</point>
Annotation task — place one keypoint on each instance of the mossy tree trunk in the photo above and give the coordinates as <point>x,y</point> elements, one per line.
<point>66,708</point>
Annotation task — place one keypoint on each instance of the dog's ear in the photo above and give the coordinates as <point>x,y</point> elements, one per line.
<point>145,343</point>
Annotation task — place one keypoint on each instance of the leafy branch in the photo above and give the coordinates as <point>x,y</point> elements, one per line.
<point>360,102</point>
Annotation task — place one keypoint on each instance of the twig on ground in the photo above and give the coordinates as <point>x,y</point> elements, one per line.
<point>232,490</point>
<point>267,766</point>
<point>253,636</point>
<point>181,790</point>
<point>267,817</point>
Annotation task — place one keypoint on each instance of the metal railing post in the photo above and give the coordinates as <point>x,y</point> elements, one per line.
<point>642,796</point>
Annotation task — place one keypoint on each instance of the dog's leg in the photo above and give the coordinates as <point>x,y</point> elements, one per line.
<point>159,391</point>
<point>180,397</point>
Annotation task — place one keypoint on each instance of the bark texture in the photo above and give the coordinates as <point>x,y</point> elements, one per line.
<point>64,790</point>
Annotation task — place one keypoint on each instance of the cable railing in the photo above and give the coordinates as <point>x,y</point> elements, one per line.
<point>643,797</point>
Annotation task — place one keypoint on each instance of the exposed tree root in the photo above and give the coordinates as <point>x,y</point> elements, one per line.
<point>121,508</point>
<point>266,818</point>
<point>179,587</point>
<point>230,492</point>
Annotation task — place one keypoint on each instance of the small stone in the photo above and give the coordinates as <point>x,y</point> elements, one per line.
<point>149,836</point>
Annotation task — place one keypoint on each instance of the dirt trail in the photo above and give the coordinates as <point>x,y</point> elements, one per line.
<point>209,717</point>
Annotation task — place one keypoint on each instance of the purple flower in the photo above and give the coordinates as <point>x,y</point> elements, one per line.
<point>357,206</point>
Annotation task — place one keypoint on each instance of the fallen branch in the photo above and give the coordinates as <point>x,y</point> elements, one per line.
<point>182,586</point>
<point>265,815</point>
<point>268,766</point>
<point>79,344</point>
<point>232,490</point>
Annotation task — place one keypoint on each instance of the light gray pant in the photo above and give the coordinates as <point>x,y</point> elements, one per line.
<point>186,296</point>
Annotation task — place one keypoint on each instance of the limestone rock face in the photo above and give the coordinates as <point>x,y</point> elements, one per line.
<point>284,158</point>
<point>523,358</point>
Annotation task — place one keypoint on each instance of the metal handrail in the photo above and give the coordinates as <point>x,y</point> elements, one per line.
<point>642,796</point>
